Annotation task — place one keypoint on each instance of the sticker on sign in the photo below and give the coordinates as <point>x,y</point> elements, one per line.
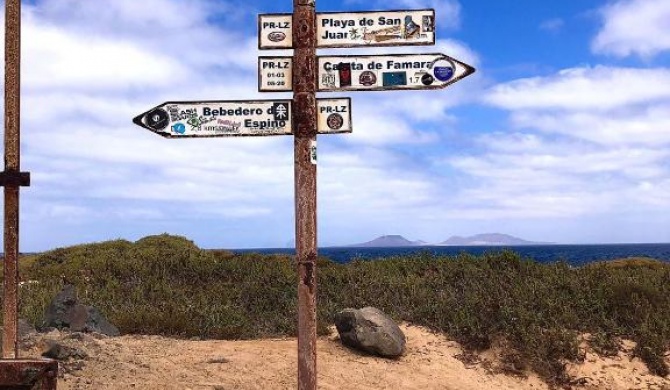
<point>372,72</point>
<point>353,29</point>
<point>239,118</point>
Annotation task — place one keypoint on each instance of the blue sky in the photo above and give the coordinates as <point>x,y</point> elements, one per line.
<point>562,134</point>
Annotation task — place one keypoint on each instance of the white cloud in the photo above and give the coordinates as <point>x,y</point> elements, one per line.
<point>130,45</point>
<point>634,27</point>
<point>90,62</point>
<point>596,88</point>
<point>585,142</point>
<point>563,179</point>
<point>644,127</point>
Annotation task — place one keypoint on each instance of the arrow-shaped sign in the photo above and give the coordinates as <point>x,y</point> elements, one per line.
<point>240,118</point>
<point>367,73</point>
<point>353,29</point>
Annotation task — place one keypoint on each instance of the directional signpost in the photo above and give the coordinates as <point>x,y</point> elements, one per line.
<point>368,73</point>
<point>304,116</point>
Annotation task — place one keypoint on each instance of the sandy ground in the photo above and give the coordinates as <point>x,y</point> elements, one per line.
<point>431,362</point>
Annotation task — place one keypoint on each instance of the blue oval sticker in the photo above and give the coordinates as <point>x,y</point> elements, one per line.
<point>443,73</point>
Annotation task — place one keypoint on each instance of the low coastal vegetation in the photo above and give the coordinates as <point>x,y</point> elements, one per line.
<point>537,312</point>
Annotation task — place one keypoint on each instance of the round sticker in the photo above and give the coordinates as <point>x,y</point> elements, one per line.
<point>443,70</point>
<point>334,121</point>
<point>427,79</point>
<point>157,119</point>
<point>368,78</point>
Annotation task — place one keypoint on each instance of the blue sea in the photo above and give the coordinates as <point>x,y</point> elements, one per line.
<point>575,255</point>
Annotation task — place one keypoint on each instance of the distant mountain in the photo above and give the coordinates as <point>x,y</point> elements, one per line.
<point>389,241</point>
<point>489,239</point>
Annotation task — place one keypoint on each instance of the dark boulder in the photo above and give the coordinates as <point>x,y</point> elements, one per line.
<point>65,312</point>
<point>371,331</point>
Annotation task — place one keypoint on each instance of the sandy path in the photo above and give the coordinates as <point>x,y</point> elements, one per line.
<point>153,363</point>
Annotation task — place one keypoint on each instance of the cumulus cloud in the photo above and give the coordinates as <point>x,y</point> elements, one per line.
<point>544,178</point>
<point>596,88</point>
<point>634,27</point>
<point>583,142</point>
<point>647,126</point>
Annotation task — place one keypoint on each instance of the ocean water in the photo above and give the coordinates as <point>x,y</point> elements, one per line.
<point>573,254</point>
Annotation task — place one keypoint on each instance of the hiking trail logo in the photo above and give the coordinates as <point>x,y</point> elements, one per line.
<point>280,111</point>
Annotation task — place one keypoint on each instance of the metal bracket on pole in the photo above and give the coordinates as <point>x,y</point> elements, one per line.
<point>11,178</point>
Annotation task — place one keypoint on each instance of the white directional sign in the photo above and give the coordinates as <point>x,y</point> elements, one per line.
<point>240,118</point>
<point>368,73</point>
<point>353,29</point>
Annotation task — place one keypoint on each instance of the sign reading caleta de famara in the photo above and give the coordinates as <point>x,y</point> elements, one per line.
<point>368,73</point>
<point>240,118</point>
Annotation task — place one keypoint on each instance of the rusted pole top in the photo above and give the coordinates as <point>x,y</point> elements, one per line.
<point>304,117</point>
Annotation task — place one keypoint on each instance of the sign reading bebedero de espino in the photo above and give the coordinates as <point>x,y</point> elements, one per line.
<point>352,29</point>
<point>240,118</point>
<point>368,73</point>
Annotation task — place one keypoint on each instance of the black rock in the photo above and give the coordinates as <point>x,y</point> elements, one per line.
<point>371,331</point>
<point>64,312</point>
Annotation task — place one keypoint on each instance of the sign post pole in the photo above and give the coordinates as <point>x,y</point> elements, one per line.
<point>304,114</point>
<point>11,178</point>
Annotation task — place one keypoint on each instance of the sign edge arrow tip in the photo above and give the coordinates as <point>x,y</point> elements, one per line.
<point>138,120</point>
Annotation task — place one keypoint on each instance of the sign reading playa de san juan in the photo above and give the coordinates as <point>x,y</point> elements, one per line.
<point>369,73</point>
<point>352,29</point>
<point>240,118</point>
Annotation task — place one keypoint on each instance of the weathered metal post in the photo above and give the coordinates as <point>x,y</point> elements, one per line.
<point>12,178</point>
<point>15,373</point>
<point>304,114</point>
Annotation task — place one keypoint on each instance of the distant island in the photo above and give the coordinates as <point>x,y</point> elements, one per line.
<point>389,241</point>
<point>489,239</point>
<point>492,239</point>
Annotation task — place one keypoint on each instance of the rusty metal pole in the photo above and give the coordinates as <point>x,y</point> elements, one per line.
<point>11,178</point>
<point>304,118</point>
